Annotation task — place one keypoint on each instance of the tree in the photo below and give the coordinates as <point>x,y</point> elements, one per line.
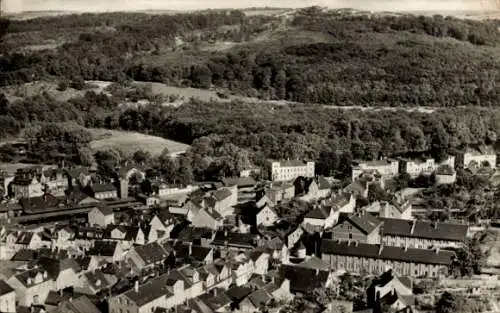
<point>469,259</point>
<point>447,303</point>
<point>86,156</point>
<point>185,172</point>
<point>142,157</point>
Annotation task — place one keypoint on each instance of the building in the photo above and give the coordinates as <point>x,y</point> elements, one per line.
<point>279,192</point>
<point>165,191</point>
<point>363,228</point>
<point>376,259</point>
<point>305,280</point>
<point>446,175</point>
<point>32,286</point>
<point>360,186</point>
<point>7,298</point>
<point>423,167</point>
<point>266,216</point>
<point>388,283</point>
<point>147,256</point>
<point>104,191</point>
<point>482,157</point>
<point>207,218</point>
<point>388,168</point>
<point>390,209</point>
<point>423,234</point>
<point>290,170</point>
<point>101,216</point>
<point>321,218</point>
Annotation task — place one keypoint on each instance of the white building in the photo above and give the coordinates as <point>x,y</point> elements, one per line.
<point>477,158</point>
<point>388,168</point>
<point>425,167</point>
<point>290,170</point>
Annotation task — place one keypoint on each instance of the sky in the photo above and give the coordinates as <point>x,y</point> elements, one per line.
<point>12,6</point>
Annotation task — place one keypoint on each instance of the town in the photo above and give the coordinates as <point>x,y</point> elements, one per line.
<point>273,239</point>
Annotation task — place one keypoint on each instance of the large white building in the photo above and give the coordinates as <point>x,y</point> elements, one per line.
<point>290,170</point>
<point>424,167</point>
<point>484,156</point>
<point>388,168</point>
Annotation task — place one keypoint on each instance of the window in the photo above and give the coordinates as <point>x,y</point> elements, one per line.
<point>350,235</point>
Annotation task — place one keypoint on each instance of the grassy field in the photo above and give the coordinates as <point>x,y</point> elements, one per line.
<point>130,142</point>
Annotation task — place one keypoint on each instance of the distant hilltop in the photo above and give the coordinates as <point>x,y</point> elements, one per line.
<point>17,6</point>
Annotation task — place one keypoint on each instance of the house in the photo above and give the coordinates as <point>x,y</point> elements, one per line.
<point>214,301</point>
<point>261,261</point>
<point>223,200</point>
<point>423,167</point>
<point>110,251</point>
<point>101,216</point>
<point>94,282</point>
<point>7,298</point>
<point>54,180</point>
<point>280,191</point>
<point>81,304</point>
<point>388,283</point>
<point>305,280</point>
<point>255,301</point>
<point>147,256</point>
<point>193,254</point>
<point>266,216</point>
<point>128,236</point>
<point>161,225</point>
<point>78,177</point>
<point>361,184</point>
<point>26,185</point>
<point>104,191</point>
<point>32,286</point>
<point>388,168</point>
<point>166,291</point>
<point>475,158</point>
<point>357,227</point>
<point>226,241</point>
<point>245,185</point>
<point>208,218</point>
<point>313,188</point>
<point>321,218</point>
<point>64,272</point>
<point>446,175</point>
<point>375,259</point>
<point>423,234</point>
<point>290,170</point>
<point>63,237</point>
<point>390,209</point>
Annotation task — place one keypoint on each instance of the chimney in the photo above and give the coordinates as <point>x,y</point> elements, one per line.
<point>273,279</point>
<point>190,248</point>
<point>380,249</point>
<point>136,286</point>
<point>437,250</point>
<point>317,271</point>
<point>406,247</point>
<point>215,292</point>
<point>263,277</point>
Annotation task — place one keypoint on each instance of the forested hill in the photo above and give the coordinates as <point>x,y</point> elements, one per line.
<point>311,56</point>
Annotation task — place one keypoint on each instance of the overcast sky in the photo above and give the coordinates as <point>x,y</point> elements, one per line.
<point>130,5</point>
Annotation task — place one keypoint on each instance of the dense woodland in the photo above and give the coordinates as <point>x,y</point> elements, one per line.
<point>359,60</point>
<point>365,60</point>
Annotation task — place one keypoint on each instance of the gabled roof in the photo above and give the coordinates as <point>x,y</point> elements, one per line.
<point>234,239</point>
<point>320,213</point>
<point>366,223</point>
<point>150,291</point>
<point>222,194</point>
<point>304,279</point>
<point>425,229</point>
<point>323,183</point>
<point>105,210</point>
<point>215,301</point>
<point>5,288</point>
<point>103,248</point>
<point>424,256</point>
<point>152,252</point>
<point>80,305</point>
<point>54,266</point>
<point>97,188</point>
<point>315,263</point>
<point>77,171</point>
<point>259,297</point>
